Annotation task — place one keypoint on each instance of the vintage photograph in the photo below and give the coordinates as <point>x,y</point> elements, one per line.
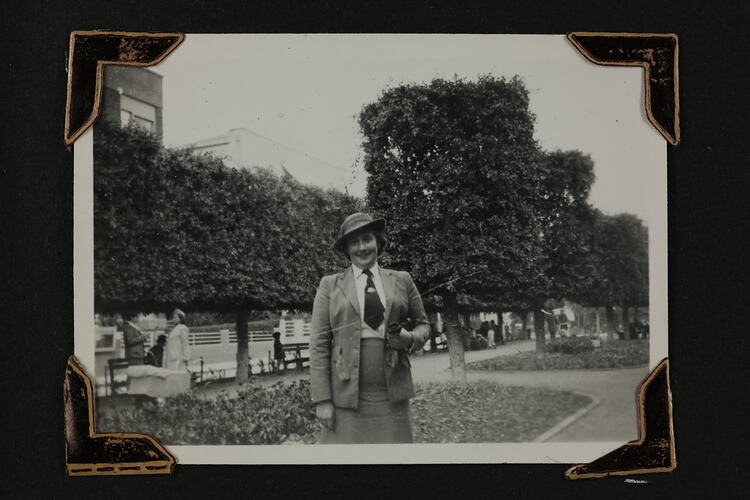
<point>451,242</point>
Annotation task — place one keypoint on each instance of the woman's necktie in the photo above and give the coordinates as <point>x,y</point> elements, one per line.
<point>373,307</point>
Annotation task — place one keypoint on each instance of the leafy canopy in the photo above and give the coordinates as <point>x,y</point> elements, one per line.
<point>453,167</point>
<point>175,228</point>
<point>468,194</point>
<point>619,261</point>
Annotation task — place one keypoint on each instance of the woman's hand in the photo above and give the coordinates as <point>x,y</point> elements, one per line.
<point>324,412</point>
<point>401,340</point>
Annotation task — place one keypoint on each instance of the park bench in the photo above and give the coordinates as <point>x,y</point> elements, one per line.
<point>117,384</point>
<point>440,344</point>
<point>296,351</point>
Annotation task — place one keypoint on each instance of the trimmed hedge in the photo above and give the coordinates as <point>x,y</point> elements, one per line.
<point>615,354</point>
<point>175,228</point>
<point>570,345</point>
<point>476,343</point>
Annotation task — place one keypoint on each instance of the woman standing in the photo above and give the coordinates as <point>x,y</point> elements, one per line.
<point>177,353</point>
<point>360,374</point>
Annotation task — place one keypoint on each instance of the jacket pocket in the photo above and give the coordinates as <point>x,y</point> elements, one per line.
<point>342,372</point>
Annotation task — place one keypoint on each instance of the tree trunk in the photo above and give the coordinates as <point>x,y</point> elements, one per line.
<point>468,331</point>
<point>467,321</point>
<point>598,322</point>
<point>242,347</point>
<point>455,340</point>
<point>626,322</point>
<point>610,311</point>
<point>500,328</point>
<point>524,325</point>
<point>551,325</point>
<point>540,356</point>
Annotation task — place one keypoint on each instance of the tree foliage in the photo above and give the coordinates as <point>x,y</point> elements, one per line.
<point>566,237</point>
<point>475,208</point>
<point>173,228</point>
<point>452,166</point>
<point>619,261</point>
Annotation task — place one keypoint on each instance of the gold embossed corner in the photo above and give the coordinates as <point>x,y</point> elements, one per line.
<point>89,453</point>
<point>654,450</point>
<point>89,52</point>
<point>658,55</point>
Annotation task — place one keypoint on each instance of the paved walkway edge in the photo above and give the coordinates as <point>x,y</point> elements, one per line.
<point>570,419</point>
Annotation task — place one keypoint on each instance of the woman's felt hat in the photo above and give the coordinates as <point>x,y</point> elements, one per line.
<point>356,222</point>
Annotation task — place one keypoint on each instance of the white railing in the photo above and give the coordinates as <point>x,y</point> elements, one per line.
<point>295,330</point>
<point>205,338</point>
<point>252,336</point>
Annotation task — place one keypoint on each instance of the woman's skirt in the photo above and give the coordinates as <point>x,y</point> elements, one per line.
<point>376,420</point>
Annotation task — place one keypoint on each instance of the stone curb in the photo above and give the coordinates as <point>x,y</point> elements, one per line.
<point>570,419</point>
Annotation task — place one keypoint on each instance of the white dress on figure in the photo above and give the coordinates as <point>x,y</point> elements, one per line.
<point>177,352</point>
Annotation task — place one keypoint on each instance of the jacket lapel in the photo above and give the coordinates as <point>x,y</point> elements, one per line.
<point>346,283</point>
<point>389,287</point>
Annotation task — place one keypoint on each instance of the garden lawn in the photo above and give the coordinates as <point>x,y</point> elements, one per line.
<point>284,413</point>
<point>614,354</point>
<point>484,412</point>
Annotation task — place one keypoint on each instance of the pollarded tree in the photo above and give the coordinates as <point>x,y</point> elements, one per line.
<point>635,249</point>
<point>453,167</point>
<point>565,238</point>
<point>177,229</point>
<point>620,260</point>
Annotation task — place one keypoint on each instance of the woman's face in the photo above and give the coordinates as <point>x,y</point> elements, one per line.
<point>362,248</point>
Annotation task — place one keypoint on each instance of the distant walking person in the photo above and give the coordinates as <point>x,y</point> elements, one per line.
<point>134,339</point>
<point>491,335</point>
<point>178,344</point>
<point>278,350</point>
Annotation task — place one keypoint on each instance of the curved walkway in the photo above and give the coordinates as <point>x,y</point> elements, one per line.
<point>613,419</point>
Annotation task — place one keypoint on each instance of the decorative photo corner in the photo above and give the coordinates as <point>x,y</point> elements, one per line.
<point>90,453</point>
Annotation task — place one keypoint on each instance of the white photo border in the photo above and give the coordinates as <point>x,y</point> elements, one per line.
<point>566,453</point>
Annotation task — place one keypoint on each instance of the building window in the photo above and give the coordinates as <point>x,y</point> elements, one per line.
<point>125,117</point>
<point>139,113</point>
<point>143,122</point>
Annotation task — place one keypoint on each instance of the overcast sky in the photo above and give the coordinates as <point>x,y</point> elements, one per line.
<point>305,92</point>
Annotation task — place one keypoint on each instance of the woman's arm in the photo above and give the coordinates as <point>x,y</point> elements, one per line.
<point>320,345</point>
<point>421,332</point>
<point>185,340</point>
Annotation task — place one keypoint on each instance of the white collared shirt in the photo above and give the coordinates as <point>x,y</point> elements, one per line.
<point>360,280</point>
